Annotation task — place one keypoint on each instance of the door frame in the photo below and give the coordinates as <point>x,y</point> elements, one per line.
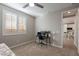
<point>62,30</point>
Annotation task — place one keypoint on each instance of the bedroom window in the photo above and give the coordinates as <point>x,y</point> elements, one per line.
<point>10,23</point>
<point>13,23</point>
<point>21,24</point>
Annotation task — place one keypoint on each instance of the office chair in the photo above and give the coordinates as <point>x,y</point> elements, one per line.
<point>41,37</point>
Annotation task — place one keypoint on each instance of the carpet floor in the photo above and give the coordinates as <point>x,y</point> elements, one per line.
<point>34,49</point>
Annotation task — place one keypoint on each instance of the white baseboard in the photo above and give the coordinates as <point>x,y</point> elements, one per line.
<point>22,44</point>
<point>30,42</point>
<point>75,45</point>
<point>57,46</point>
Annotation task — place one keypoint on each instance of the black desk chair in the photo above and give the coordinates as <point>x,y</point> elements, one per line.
<point>41,37</point>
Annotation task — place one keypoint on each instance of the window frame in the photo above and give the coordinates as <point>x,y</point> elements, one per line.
<point>3,23</point>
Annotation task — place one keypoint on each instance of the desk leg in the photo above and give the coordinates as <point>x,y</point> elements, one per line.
<point>46,42</point>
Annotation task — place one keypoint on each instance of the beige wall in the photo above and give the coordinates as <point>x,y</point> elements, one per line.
<point>12,40</point>
<point>78,29</point>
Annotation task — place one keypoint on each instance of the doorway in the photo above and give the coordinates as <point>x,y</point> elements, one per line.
<point>69,18</point>
<point>69,35</point>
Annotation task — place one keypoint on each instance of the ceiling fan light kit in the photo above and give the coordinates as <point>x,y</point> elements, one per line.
<point>32,5</point>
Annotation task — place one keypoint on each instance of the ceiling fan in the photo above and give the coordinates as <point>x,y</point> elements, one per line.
<point>32,5</point>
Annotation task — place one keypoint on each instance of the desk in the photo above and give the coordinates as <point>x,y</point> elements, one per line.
<point>44,36</point>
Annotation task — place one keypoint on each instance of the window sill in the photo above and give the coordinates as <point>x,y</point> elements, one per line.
<point>5,34</point>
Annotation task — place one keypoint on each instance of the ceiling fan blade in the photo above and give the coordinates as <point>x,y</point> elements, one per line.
<point>25,5</point>
<point>38,5</point>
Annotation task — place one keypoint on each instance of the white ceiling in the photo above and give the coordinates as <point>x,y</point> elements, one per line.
<point>72,13</point>
<point>36,11</point>
<point>69,17</point>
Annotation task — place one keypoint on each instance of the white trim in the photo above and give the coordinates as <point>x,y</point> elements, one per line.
<point>62,29</point>
<point>57,46</point>
<point>8,34</point>
<point>75,44</point>
<point>21,44</point>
